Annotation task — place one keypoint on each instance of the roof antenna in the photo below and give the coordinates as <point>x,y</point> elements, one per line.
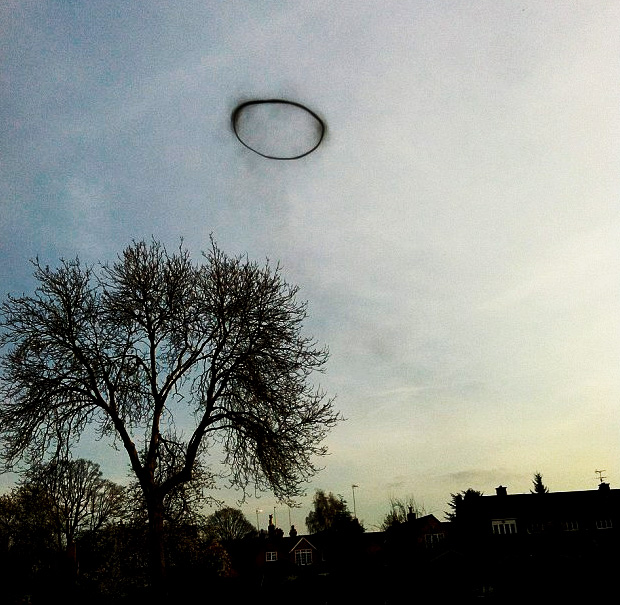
<point>600,475</point>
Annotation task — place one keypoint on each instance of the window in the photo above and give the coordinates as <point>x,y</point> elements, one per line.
<point>604,524</point>
<point>303,557</point>
<point>271,556</point>
<point>503,527</point>
<point>570,525</point>
<point>536,527</point>
<point>432,540</point>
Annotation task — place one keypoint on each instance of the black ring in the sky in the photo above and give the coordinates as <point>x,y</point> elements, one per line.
<point>240,108</point>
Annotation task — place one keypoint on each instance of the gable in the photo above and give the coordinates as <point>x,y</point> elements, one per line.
<point>303,544</point>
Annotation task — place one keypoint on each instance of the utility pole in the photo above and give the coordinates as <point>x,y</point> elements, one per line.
<point>354,508</point>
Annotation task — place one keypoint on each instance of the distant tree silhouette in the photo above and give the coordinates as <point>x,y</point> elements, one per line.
<point>77,497</point>
<point>28,541</point>
<point>54,508</point>
<point>457,501</point>
<point>330,513</point>
<point>539,486</point>
<point>228,524</point>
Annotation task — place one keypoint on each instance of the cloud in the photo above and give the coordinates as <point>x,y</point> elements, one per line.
<point>483,477</point>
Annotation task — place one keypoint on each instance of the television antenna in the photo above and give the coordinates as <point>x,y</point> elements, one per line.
<point>600,475</point>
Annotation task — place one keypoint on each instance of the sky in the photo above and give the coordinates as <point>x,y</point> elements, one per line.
<point>456,232</point>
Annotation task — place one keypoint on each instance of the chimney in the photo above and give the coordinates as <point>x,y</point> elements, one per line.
<point>604,487</point>
<point>411,516</point>
<point>500,491</point>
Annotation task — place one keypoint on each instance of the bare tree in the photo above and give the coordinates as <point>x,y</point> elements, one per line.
<point>400,510</point>
<point>153,341</point>
<point>77,495</point>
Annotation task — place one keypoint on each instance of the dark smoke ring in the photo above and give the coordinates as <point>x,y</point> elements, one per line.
<point>236,114</point>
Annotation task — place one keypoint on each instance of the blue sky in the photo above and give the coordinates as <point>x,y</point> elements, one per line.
<point>456,233</point>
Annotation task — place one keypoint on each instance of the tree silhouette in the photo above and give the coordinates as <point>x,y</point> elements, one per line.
<point>228,523</point>
<point>539,486</point>
<point>28,540</point>
<point>329,513</point>
<point>78,497</point>
<point>165,357</point>
<point>457,501</point>
<point>399,511</point>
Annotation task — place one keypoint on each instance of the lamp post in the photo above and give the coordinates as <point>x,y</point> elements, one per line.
<point>354,509</point>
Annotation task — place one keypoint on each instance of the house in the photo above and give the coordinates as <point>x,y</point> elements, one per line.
<point>346,564</point>
<point>415,541</point>
<point>429,531</point>
<point>419,533</point>
<point>531,517</point>
<point>290,550</point>
<point>275,554</point>
<point>538,545</point>
<point>304,554</point>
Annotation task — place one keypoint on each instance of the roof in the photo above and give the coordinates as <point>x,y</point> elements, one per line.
<point>302,539</point>
<point>573,504</point>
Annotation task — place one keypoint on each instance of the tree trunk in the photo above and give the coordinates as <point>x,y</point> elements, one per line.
<point>157,553</point>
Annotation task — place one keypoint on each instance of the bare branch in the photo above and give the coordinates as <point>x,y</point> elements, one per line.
<point>124,347</point>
